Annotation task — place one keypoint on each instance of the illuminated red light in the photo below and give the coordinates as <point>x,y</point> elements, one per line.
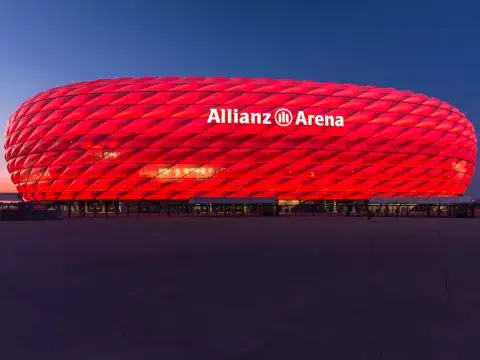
<point>149,138</point>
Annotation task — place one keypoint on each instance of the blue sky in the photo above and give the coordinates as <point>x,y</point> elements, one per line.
<point>425,46</point>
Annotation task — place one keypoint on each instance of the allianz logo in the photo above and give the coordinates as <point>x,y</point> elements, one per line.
<point>281,117</point>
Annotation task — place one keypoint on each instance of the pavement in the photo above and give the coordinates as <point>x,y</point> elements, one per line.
<point>240,288</point>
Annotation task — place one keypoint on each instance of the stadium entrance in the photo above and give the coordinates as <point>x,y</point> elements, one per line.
<point>234,207</point>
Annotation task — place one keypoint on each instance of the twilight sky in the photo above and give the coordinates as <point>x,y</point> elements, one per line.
<point>425,46</point>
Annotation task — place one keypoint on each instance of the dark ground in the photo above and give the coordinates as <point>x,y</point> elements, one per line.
<point>240,288</point>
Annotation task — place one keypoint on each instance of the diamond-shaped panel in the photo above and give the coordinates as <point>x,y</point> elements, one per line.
<point>148,138</point>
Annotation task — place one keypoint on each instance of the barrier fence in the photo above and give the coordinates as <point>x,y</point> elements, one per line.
<point>12,211</point>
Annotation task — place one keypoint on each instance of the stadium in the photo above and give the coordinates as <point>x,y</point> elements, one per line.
<point>236,140</point>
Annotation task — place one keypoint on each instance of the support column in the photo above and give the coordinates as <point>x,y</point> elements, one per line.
<point>354,210</point>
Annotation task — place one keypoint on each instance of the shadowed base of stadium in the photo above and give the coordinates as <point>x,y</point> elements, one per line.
<point>240,288</point>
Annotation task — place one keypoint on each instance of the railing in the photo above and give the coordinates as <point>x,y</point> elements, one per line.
<point>126,211</point>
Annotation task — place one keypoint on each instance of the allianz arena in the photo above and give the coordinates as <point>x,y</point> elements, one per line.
<point>178,138</point>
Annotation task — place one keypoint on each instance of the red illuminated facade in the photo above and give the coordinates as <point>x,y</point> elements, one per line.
<point>150,138</point>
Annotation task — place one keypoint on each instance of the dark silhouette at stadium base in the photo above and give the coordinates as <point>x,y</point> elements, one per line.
<point>225,208</point>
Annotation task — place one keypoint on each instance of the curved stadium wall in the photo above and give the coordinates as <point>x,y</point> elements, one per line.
<point>156,139</point>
